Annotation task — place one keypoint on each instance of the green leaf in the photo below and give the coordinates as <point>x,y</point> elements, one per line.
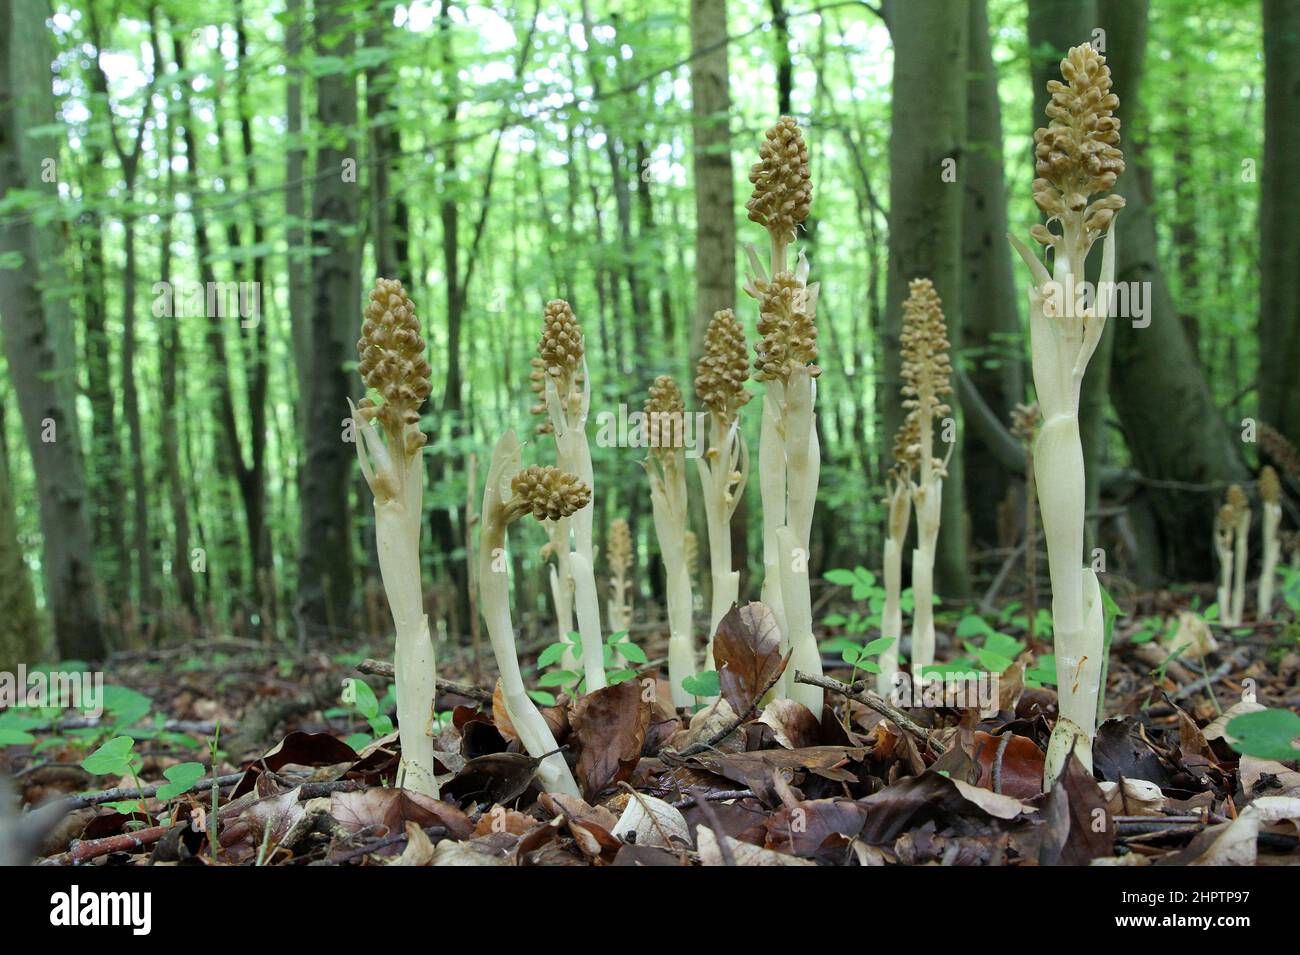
<point>619,676</point>
<point>843,578</point>
<point>181,777</point>
<point>834,620</point>
<point>113,758</point>
<point>973,625</point>
<point>1004,645</point>
<point>1266,734</point>
<point>864,576</point>
<point>127,706</point>
<point>552,654</point>
<point>559,678</point>
<point>542,697</point>
<point>877,646</point>
<point>10,737</point>
<point>365,701</point>
<point>359,741</point>
<point>631,652</point>
<point>619,636</point>
<point>704,683</point>
<point>1043,673</point>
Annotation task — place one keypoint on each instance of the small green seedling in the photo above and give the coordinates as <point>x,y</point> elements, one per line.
<point>1266,734</point>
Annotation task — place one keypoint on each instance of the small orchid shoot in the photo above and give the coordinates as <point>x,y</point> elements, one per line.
<point>1077,156</point>
<point>392,364</point>
<point>618,555</point>
<point>1270,493</point>
<point>926,373</point>
<point>724,469</point>
<point>549,494</point>
<point>566,400</point>
<point>666,465</point>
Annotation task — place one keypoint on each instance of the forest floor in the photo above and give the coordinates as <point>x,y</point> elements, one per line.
<point>303,756</point>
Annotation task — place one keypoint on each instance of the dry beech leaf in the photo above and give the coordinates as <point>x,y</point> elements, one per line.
<point>609,727</point>
<point>419,847</point>
<point>747,652</point>
<point>391,809</point>
<point>648,821</point>
<point>998,805</point>
<point>1022,763</point>
<point>805,827</point>
<point>792,723</point>
<point>742,853</point>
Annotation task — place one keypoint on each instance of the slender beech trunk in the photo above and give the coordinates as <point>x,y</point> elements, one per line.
<point>715,201</point>
<point>325,558</point>
<point>1279,211</point>
<point>37,335</point>
<point>927,132</point>
<point>21,635</point>
<point>991,322</point>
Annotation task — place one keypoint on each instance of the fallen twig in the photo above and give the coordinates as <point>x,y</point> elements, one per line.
<point>121,793</point>
<point>385,669</point>
<point>859,692</point>
<point>94,848</point>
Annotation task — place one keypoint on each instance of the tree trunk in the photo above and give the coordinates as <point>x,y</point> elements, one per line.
<point>170,360</point>
<point>991,320</point>
<point>927,131</point>
<point>107,516</point>
<point>37,333</point>
<point>20,624</point>
<point>1279,211</point>
<point>715,201</point>
<point>325,569</point>
<point>1174,431</point>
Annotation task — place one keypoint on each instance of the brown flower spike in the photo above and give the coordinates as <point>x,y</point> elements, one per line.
<point>782,183</point>
<point>561,351</point>
<point>787,325</point>
<point>665,412</point>
<point>546,492</point>
<point>927,368</point>
<point>1077,154</point>
<point>619,545</point>
<point>392,361</point>
<point>724,367</point>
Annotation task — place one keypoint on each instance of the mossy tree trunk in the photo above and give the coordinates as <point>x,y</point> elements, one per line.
<point>20,625</point>
<point>927,166</point>
<point>37,330</point>
<point>991,320</point>
<point>1279,211</point>
<point>715,198</point>
<point>325,569</point>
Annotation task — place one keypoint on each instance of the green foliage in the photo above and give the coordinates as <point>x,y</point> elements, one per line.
<point>115,758</point>
<point>180,778</point>
<point>1266,734</point>
<point>362,700</point>
<point>617,645</point>
<point>705,684</point>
